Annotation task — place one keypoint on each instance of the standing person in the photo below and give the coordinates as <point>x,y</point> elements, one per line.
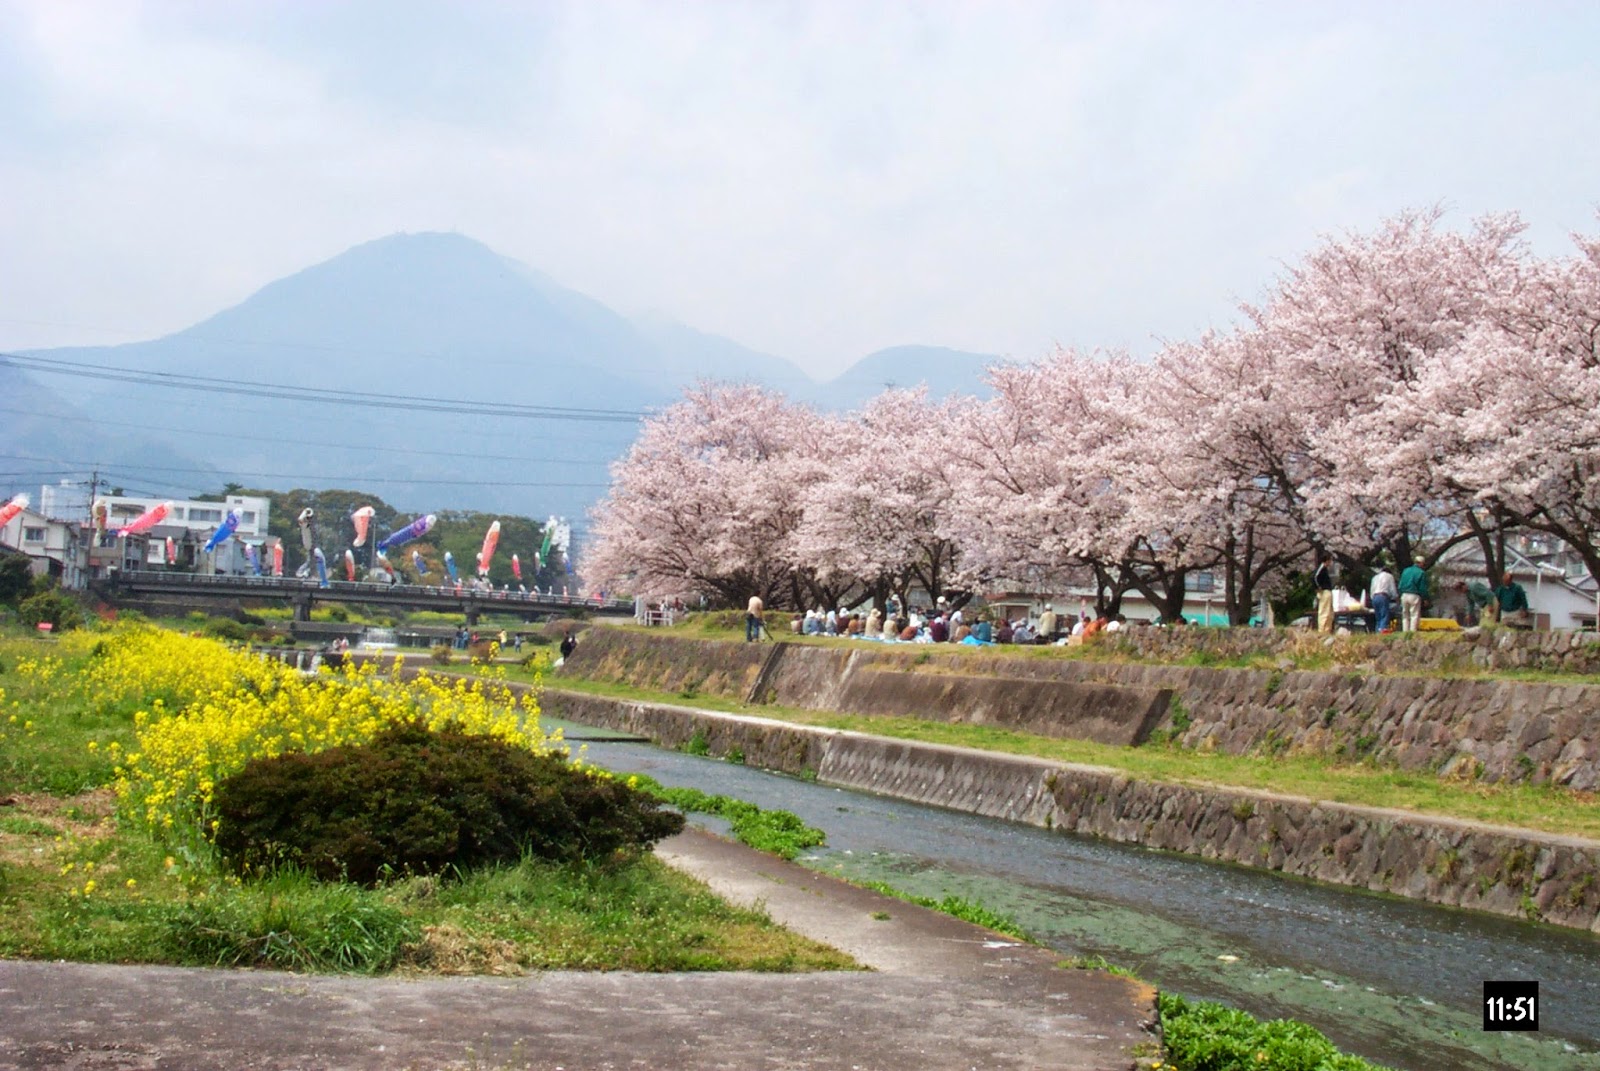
<point>1323,580</point>
<point>1512,599</point>
<point>569,643</point>
<point>1047,625</point>
<point>752,619</point>
<point>1413,589</point>
<point>1384,596</point>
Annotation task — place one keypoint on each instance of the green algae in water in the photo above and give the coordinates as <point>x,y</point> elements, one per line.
<point>1404,1030</point>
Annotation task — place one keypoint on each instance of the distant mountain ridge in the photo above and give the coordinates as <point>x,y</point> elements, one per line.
<point>439,315</point>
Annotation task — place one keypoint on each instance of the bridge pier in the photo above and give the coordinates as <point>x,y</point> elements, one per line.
<point>302,607</point>
<point>472,611</point>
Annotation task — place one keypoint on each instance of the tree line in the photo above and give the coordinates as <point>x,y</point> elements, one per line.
<point>1394,394</point>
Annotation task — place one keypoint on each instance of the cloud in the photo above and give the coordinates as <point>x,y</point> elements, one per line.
<point>814,179</point>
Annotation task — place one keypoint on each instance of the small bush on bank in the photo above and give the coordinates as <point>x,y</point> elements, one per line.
<point>1202,1036</point>
<point>414,801</point>
<point>59,609</point>
<point>225,628</point>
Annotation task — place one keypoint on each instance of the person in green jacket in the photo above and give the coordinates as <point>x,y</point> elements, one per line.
<point>1413,589</point>
<point>1480,601</point>
<point>1512,599</point>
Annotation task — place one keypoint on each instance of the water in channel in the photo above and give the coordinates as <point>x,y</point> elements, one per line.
<point>1393,980</point>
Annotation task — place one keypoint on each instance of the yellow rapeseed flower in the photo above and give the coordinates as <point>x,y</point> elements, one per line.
<point>212,710</point>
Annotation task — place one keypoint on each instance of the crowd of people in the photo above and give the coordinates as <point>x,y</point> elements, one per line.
<point>944,623</point>
<point>1467,603</point>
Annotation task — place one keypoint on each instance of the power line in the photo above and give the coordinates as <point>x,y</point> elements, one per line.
<point>366,399</point>
<point>279,440</point>
<point>219,473</point>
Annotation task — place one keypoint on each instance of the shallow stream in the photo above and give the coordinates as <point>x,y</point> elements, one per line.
<point>1396,981</point>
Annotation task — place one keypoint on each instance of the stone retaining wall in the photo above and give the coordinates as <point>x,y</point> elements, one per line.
<point>1444,861</point>
<point>1497,730</point>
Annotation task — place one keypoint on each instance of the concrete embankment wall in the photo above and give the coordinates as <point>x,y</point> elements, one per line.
<point>1443,861</point>
<point>1497,730</point>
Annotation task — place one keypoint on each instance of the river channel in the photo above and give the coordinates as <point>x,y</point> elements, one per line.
<point>1396,981</point>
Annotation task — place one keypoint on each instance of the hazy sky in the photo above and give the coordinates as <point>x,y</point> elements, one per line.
<point>818,180</point>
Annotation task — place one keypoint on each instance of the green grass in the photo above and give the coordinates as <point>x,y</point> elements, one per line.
<point>46,731</point>
<point>78,883</point>
<point>1342,658</point>
<point>958,907</point>
<point>1095,963</point>
<point>1547,808</point>
<point>634,914</point>
<point>780,832</point>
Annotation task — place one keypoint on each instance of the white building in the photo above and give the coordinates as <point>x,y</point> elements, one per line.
<point>1203,601</point>
<point>195,516</point>
<point>1561,593</point>
<point>54,547</point>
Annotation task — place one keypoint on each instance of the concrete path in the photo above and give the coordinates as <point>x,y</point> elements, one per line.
<point>943,995</point>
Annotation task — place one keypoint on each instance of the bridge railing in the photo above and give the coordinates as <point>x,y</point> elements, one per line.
<point>357,590</point>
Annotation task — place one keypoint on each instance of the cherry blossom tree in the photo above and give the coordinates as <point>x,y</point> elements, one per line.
<point>1401,390</point>
<point>1359,320</point>
<point>1220,487</point>
<point>1041,497</point>
<point>1510,417</point>
<point>876,518</point>
<point>706,499</point>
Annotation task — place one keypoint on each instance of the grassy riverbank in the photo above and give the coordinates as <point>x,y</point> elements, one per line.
<point>1307,651</point>
<point>1537,807</point>
<point>87,876</point>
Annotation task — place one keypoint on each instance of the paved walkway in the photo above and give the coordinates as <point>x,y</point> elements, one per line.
<point>942,995</point>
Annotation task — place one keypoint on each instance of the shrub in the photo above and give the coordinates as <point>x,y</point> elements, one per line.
<point>416,801</point>
<point>440,654</point>
<point>16,576</point>
<point>225,628</point>
<point>58,608</point>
